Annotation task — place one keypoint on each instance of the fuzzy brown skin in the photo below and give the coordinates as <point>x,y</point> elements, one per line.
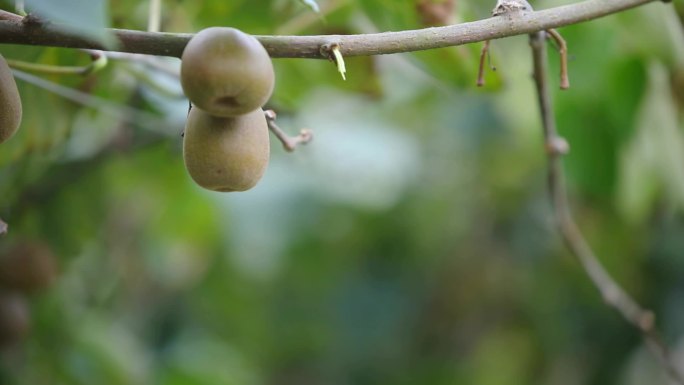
<point>226,72</point>
<point>226,154</point>
<point>10,102</point>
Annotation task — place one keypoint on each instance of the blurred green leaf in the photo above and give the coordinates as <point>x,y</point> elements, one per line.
<point>504,358</point>
<point>108,353</point>
<point>89,17</point>
<point>652,161</point>
<point>661,34</point>
<point>199,359</point>
<point>455,66</point>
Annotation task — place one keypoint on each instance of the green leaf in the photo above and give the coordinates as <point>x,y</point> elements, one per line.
<point>89,18</point>
<point>659,33</point>
<point>197,358</point>
<point>652,161</point>
<point>109,351</point>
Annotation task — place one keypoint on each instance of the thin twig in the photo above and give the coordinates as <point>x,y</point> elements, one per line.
<point>124,113</point>
<point>613,294</point>
<point>146,78</point>
<point>290,143</point>
<point>99,61</point>
<point>150,61</point>
<point>563,51</point>
<point>168,44</point>
<point>480,70</point>
<point>3,227</point>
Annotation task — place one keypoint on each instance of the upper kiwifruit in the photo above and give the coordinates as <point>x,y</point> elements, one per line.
<point>226,154</point>
<point>226,72</point>
<point>10,102</point>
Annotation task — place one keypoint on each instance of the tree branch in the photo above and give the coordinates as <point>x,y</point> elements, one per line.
<point>613,295</point>
<point>172,44</point>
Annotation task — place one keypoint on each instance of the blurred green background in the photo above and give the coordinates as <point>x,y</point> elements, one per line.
<point>411,242</point>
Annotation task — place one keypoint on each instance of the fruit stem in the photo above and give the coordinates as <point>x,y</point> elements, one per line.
<point>290,143</point>
<point>562,47</point>
<point>483,55</point>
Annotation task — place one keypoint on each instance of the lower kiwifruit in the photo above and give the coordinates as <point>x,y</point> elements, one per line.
<point>226,154</point>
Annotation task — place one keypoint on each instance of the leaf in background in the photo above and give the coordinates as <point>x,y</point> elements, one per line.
<point>83,17</point>
<point>660,33</point>
<point>436,13</point>
<point>197,358</point>
<point>654,158</point>
<point>588,116</point>
<point>638,185</point>
<point>296,79</point>
<point>455,66</point>
<point>312,5</point>
<point>110,352</point>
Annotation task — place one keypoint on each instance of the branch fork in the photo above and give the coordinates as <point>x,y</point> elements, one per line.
<point>612,293</point>
<point>513,8</point>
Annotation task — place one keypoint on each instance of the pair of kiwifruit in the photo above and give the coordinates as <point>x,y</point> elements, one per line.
<point>228,76</point>
<point>10,102</point>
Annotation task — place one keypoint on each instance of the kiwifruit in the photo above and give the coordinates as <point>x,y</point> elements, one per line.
<point>27,266</point>
<point>226,154</point>
<point>226,72</point>
<point>15,318</point>
<point>10,102</point>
